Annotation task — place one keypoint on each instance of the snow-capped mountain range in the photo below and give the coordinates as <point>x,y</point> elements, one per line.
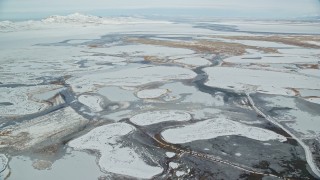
<point>72,19</point>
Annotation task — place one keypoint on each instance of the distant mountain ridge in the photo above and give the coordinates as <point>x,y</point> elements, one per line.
<point>75,18</point>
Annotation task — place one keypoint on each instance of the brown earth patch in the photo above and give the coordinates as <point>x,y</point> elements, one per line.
<point>308,66</point>
<point>42,164</point>
<point>205,46</point>
<point>296,91</point>
<point>227,64</point>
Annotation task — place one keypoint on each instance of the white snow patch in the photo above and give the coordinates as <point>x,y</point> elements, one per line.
<point>78,41</point>
<point>194,61</point>
<point>115,94</point>
<point>115,157</point>
<point>78,18</point>
<point>117,116</point>
<point>4,171</point>
<point>146,50</point>
<point>270,59</point>
<point>100,60</point>
<point>238,154</point>
<point>173,165</point>
<point>302,122</point>
<point>180,173</point>
<point>134,76</point>
<point>52,126</point>
<point>213,128</point>
<point>258,80</point>
<point>21,100</point>
<point>47,95</point>
<point>315,100</point>
<point>191,95</point>
<point>314,42</point>
<point>170,154</point>
<point>300,51</point>
<point>151,93</point>
<point>205,113</point>
<point>153,117</point>
<point>311,72</point>
<point>92,101</point>
<point>274,26</point>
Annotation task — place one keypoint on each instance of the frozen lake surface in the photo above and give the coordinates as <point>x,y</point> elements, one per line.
<point>86,97</point>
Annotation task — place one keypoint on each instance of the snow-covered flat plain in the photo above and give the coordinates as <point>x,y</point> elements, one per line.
<point>115,157</point>
<point>151,93</point>
<point>24,100</point>
<point>130,97</point>
<point>128,77</point>
<point>154,117</point>
<point>213,128</point>
<point>248,80</point>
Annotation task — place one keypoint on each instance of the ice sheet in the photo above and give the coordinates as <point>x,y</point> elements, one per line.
<point>153,117</point>
<point>151,93</point>
<point>249,80</point>
<point>114,156</point>
<point>212,128</point>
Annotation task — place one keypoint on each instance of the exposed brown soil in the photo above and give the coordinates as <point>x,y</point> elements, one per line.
<point>49,150</point>
<point>308,66</point>
<point>153,59</point>
<point>42,164</point>
<point>205,46</point>
<point>296,91</point>
<point>94,45</point>
<point>227,64</point>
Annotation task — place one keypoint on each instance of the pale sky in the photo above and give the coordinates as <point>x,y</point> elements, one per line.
<point>236,8</point>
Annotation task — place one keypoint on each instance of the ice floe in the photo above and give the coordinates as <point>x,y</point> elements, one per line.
<point>100,60</point>
<point>139,50</point>
<point>212,128</point>
<point>311,72</point>
<point>47,93</point>
<point>270,59</point>
<point>190,94</point>
<point>173,165</point>
<point>117,94</point>
<point>274,26</point>
<point>153,117</point>
<point>94,102</point>
<point>151,93</point>
<point>114,156</point>
<point>258,80</point>
<point>314,42</point>
<point>170,154</point>
<point>194,61</point>
<point>134,76</point>
<point>51,127</point>
<point>303,121</point>
<point>25,100</point>
<point>301,52</point>
<point>4,170</point>
<point>180,173</point>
